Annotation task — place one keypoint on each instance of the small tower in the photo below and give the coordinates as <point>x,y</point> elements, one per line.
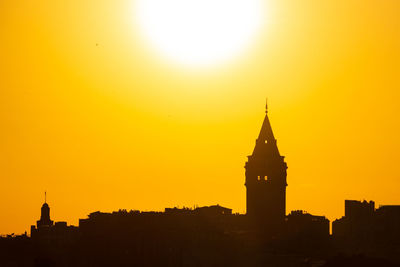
<point>266,181</point>
<point>45,215</point>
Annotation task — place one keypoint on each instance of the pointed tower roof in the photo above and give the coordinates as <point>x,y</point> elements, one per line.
<point>266,133</point>
<point>266,142</point>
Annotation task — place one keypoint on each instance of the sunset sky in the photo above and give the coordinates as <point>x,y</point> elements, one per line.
<point>99,116</point>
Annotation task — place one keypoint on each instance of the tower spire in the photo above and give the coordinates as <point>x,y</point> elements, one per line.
<point>266,105</point>
<point>45,197</point>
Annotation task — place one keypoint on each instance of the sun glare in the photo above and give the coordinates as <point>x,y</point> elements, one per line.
<point>199,33</point>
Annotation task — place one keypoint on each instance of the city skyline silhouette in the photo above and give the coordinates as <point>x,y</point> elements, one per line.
<point>136,133</point>
<point>82,121</point>
<point>184,236</point>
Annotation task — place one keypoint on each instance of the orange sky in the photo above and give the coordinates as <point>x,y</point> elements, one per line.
<point>113,126</point>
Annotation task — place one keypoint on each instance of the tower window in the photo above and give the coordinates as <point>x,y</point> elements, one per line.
<point>261,177</point>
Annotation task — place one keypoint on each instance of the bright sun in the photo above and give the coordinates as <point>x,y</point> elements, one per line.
<point>200,33</point>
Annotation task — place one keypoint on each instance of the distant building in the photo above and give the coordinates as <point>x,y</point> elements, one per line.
<point>44,217</point>
<point>266,181</point>
<point>211,217</point>
<point>45,222</point>
<point>387,224</point>
<point>357,220</point>
<point>365,225</point>
<point>48,232</point>
<point>358,210</point>
<point>302,225</point>
<point>214,210</point>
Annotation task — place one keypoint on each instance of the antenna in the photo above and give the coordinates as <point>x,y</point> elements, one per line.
<point>44,196</point>
<point>266,105</point>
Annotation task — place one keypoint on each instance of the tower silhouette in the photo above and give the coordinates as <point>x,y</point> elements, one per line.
<point>44,215</point>
<point>266,180</point>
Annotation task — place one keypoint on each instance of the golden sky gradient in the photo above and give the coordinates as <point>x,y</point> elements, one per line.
<point>109,126</point>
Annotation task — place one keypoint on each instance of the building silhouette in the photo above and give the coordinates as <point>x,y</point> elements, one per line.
<point>306,228</point>
<point>48,232</point>
<point>266,181</point>
<point>44,215</point>
<point>364,225</point>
